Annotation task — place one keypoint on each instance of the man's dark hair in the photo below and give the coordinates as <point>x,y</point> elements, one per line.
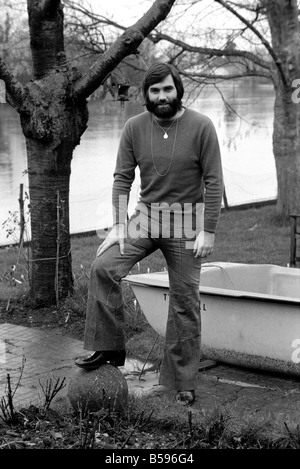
<point>157,72</point>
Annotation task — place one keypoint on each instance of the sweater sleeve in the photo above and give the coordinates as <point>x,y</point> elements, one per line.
<point>124,175</point>
<point>210,158</point>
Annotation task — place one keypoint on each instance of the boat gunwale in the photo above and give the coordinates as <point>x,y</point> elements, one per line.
<point>222,292</point>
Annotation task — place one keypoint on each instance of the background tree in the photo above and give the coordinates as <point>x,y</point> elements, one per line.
<point>54,114</point>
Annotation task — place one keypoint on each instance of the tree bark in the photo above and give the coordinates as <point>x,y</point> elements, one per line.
<point>51,263</point>
<point>52,123</point>
<point>46,35</point>
<point>284,25</point>
<point>286,152</point>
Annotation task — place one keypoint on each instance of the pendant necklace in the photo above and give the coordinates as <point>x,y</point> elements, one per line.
<point>164,131</point>
<point>173,150</point>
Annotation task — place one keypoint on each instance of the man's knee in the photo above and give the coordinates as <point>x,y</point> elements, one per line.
<point>100,267</point>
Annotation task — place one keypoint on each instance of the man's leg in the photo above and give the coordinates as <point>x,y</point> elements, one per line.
<point>105,315</point>
<point>180,363</point>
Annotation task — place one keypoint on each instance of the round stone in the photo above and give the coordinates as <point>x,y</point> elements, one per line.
<point>103,388</point>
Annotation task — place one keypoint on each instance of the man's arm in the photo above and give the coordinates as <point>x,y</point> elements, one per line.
<point>213,182</point>
<point>124,175</point>
<point>123,178</point>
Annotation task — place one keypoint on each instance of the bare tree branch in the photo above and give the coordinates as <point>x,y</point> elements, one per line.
<point>221,76</point>
<point>253,9</point>
<point>99,19</point>
<point>156,37</point>
<point>125,45</point>
<point>259,35</point>
<point>14,88</point>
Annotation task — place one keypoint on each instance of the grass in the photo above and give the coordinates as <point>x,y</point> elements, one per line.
<point>255,235</point>
<point>151,422</point>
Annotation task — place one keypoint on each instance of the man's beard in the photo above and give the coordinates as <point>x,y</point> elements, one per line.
<point>164,110</point>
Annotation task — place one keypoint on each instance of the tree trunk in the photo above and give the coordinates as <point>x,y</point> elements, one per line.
<point>51,273</point>
<point>284,24</point>
<point>52,124</point>
<point>286,152</point>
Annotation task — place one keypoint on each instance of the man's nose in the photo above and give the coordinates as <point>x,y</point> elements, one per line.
<point>162,96</point>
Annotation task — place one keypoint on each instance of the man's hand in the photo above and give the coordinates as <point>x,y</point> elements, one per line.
<point>115,236</point>
<point>204,244</point>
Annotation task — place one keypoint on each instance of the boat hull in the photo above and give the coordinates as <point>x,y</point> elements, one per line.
<point>250,314</point>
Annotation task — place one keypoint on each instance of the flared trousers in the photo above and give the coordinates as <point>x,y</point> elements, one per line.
<point>105,315</point>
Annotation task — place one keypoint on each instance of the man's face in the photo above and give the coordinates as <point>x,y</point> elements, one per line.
<point>162,99</point>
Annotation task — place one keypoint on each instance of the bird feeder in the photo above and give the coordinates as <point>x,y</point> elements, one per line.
<point>118,86</point>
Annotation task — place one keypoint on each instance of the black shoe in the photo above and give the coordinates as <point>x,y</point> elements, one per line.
<point>97,359</point>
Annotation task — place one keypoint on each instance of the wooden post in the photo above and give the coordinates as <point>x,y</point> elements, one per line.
<point>57,247</point>
<point>22,217</point>
<point>294,234</point>
<point>293,241</point>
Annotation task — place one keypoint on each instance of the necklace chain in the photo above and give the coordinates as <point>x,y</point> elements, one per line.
<point>173,150</point>
<point>164,131</point>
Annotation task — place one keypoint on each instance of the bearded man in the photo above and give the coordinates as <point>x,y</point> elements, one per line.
<point>177,152</point>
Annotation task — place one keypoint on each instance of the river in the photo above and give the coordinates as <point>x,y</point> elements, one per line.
<point>245,135</point>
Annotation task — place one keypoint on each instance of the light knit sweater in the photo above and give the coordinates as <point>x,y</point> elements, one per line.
<point>189,174</point>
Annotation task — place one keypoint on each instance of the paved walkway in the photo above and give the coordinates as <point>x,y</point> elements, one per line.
<point>41,355</point>
<point>36,356</point>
